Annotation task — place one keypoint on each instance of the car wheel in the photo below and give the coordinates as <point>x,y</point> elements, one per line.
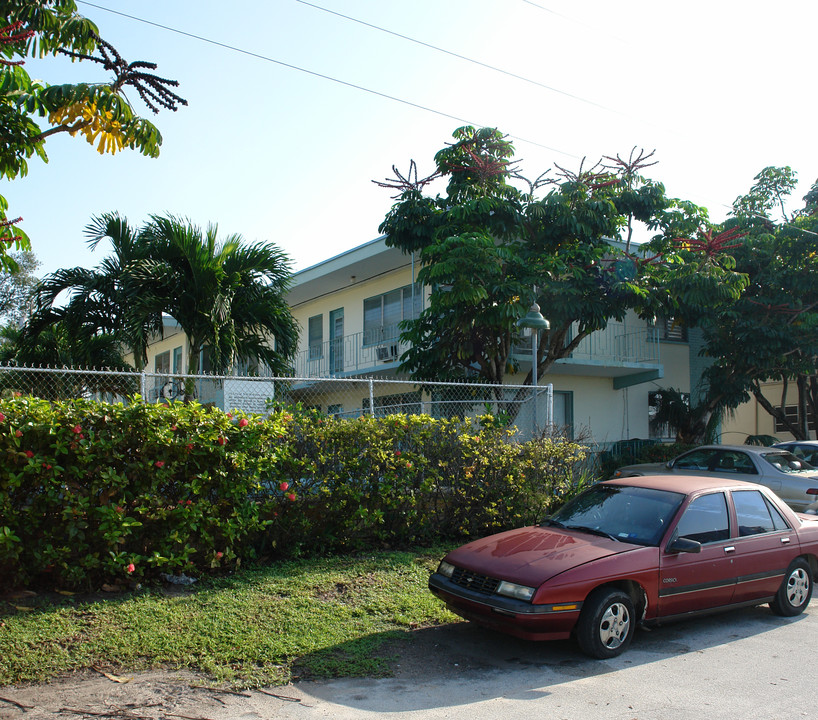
<point>796,590</point>
<point>606,624</point>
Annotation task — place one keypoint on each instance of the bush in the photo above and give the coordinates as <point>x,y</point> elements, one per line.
<point>93,492</point>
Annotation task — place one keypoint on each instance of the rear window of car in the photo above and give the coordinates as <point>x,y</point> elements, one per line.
<point>786,462</point>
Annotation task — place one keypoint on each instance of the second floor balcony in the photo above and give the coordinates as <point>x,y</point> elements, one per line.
<point>626,353</point>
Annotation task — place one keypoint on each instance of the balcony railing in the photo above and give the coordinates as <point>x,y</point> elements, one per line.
<point>351,354</point>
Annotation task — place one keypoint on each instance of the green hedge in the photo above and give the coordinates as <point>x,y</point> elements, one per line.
<point>93,492</point>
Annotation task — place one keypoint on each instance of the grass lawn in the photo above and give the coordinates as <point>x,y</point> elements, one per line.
<point>326,617</point>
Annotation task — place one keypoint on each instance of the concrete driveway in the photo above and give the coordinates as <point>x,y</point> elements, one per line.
<point>743,665</point>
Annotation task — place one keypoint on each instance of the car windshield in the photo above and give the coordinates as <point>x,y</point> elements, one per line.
<point>630,514</point>
<point>786,462</point>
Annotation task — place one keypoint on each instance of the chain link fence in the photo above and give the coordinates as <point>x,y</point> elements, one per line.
<point>529,409</point>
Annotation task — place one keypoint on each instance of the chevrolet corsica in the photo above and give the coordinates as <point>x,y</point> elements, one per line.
<point>642,550</point>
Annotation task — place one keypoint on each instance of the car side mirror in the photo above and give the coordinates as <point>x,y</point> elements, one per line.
<point>683,545</point>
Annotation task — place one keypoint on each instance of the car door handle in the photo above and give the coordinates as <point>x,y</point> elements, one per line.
<point>729,548</point>
<point>785,540</point>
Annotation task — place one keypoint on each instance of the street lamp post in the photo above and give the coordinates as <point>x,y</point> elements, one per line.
<point>534,321</point>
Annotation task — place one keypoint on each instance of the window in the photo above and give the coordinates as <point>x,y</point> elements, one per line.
<point>753,513</point>
<point>705,519</point>
<point>731,461</point>
<point>791,414</point>
<point>659,430</point>
<point>408,403</point>
<point>177,359</point>
<point>382,313</point>
<point>667,329</point>
<point>161,362</point>
<point>316,337</point>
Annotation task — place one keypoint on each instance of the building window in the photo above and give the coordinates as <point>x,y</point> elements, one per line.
<point>161,362</point>
<point>398,404</point>
<point>791,413</point>
<point>661,430</point>
<point>316,337</point>
<point>382,313</point>
<point>177,360</point>
<point>667,329</point>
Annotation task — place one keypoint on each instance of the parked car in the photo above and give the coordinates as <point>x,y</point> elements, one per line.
<point>636,550</point>
<point>804,449</point>
<point>791,478</point>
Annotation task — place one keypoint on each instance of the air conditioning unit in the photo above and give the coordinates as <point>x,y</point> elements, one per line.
<point>387,353</point>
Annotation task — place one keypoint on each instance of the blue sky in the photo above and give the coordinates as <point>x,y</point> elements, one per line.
<point>719,90</point>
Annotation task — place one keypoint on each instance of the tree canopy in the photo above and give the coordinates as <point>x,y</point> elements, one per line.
<point>496,241</point>
<point>226,295</point>
<point>771,332</point>
<point>32,111</point>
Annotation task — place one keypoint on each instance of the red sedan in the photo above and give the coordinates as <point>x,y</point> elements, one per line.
<point>641,550</point>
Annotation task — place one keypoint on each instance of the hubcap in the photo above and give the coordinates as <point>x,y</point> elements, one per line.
<point>616,622</point>
<point>797,587</point>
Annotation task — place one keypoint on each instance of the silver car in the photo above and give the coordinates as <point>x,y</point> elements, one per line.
<point>793,479</point>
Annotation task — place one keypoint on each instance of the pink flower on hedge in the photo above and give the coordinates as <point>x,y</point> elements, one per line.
<point>291,497</point>
<point>76,429</point>
<point>397,453</point>
<point>229,416</point>
<point>2,417</point>
<point>189,447</point>
<point>189,502</point>
<point>219,555</point>
<point>173,427</point>
<point>159,463</point>
<point>284,486</point>
<point>29,454</point>
<point>131,567</point>
<point>221,440</point>
<point>244,422</point>
<point>120,509</point>
<point>18,433</point>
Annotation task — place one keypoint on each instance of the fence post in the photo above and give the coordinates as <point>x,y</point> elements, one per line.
<point>143,386</point>
<point>371,397</point>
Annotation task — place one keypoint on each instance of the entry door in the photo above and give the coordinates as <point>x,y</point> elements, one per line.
<point>336,337</point>
<point>695,581</point>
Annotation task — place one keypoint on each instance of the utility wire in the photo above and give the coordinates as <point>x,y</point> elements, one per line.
<point>462,57</point>
<point>317,74</point>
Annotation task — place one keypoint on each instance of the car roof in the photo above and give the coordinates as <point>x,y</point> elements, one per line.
<point>796,442</point>
<point>741,448</point>
<point>685,484</point>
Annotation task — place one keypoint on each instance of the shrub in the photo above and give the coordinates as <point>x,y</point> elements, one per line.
<point>93,492</point>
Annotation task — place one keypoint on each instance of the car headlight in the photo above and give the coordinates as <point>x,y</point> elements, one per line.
<point>513,590</point>
<point>445,569</point>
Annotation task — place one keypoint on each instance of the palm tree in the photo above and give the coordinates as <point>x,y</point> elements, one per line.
<point>228,297</point>
<point>97,303</point>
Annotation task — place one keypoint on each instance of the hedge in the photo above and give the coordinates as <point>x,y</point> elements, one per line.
<point>95,492</point>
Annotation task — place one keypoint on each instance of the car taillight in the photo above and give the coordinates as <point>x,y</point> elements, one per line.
<point>812,491</point>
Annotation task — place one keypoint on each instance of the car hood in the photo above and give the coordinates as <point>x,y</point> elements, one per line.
<point>531,555</point>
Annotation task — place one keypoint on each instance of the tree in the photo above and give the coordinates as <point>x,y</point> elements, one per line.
<point>489,248</point>
<point>98,300</point>
<point>771,332</point>
<point>16,286</point>
<point>100,112</point>
<point>228,296</point>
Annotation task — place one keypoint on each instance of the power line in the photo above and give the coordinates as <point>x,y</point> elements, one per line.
<point>266,58</point>
<point>461,57</point>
